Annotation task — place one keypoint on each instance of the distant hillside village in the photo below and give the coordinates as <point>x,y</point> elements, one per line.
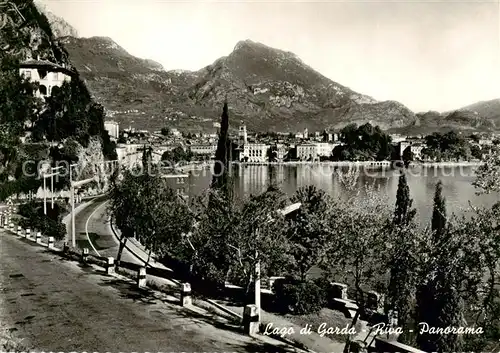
<point>260,148</point>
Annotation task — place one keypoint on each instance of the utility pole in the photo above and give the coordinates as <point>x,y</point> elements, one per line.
<point>257,278</point>
<point>44,194</point>
<point>52,182</point>
<point>72,195</point>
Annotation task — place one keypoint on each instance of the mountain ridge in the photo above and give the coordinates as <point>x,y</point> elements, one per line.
<point>267,89</point>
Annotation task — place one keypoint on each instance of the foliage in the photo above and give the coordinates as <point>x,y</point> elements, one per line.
<point>222,154</point>
<point>447,146</point>
<point>49,225</point>
<point>404,262</point>
<point>438,222</point>
<point>299,297</point>
<point>488,174</point>
<point>363,143</point>
<point>177,155</point>
<point>146,207</point>
<point>308,229</point>
<point>18,105</point>
<point>359,240</point>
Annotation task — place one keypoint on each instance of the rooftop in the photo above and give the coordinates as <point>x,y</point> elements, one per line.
<point>45,64</point>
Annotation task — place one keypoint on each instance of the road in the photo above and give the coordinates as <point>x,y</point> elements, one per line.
<point>57,305</point>
<point>93,222</point>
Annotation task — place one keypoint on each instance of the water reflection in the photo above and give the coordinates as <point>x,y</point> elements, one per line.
<point>457,184</point>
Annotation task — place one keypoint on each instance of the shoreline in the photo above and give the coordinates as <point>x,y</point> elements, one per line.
<point>387,164</point>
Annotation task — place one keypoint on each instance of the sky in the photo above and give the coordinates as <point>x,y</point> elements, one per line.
<point>428,55</point>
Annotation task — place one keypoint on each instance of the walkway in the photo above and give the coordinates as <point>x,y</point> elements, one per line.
<point>56,305</point>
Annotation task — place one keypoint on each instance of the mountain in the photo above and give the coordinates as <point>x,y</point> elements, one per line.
<point>462,120</point>
<point>488,109</point>
<point>267,89</point>
<point>60,28</point>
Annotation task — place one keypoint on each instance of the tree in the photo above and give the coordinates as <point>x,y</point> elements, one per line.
<point>488,174</point>
<point>308,229</point>
<point>222,154</point>
<point>438,224</point>
<point>439,298</point>
<point>260,236</point>
<point>359,241</point>
<point>124,205</point>
<point>165,131</point>
<point>404,259</point>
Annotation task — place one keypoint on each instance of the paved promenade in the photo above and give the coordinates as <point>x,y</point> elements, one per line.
<point>55,305</point>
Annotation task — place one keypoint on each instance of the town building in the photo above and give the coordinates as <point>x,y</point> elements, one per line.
<point>113,129</point>
<point>242,135</point>
<point>324,149</point>
<point>179,182</point>
<point>299,136</point>
<point>307,152</point>
<point>415,147</point>
<point>204,149</point>
<point>51,76</point>
<point>306,134</point>
<point>254,153</point>
<point>175,132</point>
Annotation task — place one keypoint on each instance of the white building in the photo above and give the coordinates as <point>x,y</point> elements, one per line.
<point>255,153</point>
<point>204,149</point>
<point>50,76</point>
<point>307,151</point>
<point>175,132</point>
<point>324,149</point>
<point>113,129</point>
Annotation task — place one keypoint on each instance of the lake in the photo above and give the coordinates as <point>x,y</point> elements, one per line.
<point>457,183</point>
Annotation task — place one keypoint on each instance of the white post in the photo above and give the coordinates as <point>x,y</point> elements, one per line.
<point>85,255</point>
<point>141,277</point>
<point>38,237</point>
<point>28,233</point>
<point>19,231</point>
<point>73,239</point>
<point>52,189</point>
<point>50,244</point>
<point>186,294</point>
<point>251,320</point>
<point>44,195</point>
<point>257,279</point>
<point>110,266</point>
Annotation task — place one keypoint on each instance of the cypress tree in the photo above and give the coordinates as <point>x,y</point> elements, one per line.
<point>222,155</point>
<point>438,223</point>
<point>403,213</point>
<point>439,303</point>
<point>403,267</point>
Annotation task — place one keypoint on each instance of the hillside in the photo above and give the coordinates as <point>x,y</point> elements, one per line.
<point>60,28</point>
<point>488,109</point>
<point>461,120</point>
<point>27,33</point>
<point>267,89</point>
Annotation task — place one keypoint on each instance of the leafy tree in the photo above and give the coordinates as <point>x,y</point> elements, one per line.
<point>307,229</point>
<point>488,174</point>
<point>165,131</point>
<point>359,242</point>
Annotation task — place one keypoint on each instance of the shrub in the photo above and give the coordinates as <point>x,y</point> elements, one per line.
<point>299,297</point>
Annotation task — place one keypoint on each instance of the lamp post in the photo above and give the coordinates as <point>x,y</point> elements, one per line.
<point>53,170</point>
<point>72,196</point>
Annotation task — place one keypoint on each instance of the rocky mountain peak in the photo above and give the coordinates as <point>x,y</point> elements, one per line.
<point>59,26</point>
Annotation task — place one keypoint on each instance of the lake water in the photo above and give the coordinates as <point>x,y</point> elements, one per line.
<point>457,184</point>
